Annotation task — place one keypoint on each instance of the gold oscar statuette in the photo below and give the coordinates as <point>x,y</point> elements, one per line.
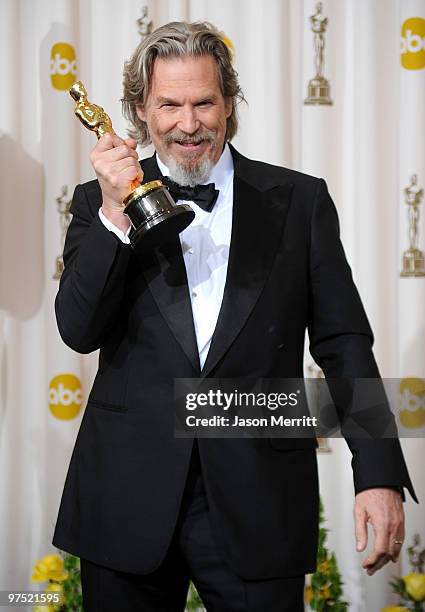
<point>154,216</point>
<point>413,258</point>
<point>319,91</point>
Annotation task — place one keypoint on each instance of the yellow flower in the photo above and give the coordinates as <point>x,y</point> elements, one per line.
<point>394,609</point>
<point>415,586</point>
<point>49,568</point>
<point>308,594</point>
<point>324,567</point>
<point>55,587</point>
<point>325,592</point>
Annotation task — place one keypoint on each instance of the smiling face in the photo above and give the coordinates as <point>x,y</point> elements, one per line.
<point>186,116</point>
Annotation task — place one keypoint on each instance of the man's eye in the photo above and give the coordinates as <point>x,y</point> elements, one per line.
<point>204,103</point>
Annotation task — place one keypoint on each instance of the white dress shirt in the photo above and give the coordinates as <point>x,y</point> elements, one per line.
<point>205,245</point>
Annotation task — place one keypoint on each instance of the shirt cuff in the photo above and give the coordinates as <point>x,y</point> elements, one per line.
<point>123,236</point>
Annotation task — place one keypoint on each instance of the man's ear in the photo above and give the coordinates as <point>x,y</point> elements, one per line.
<point>140,110</point>
<point>228,105</point>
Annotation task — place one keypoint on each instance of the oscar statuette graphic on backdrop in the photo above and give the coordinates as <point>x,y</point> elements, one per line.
<point>144,24</point>
<point>413,258</point>
<point>319,90</point>
<point>63,205</point>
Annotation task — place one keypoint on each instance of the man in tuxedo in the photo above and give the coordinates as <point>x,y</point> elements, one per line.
<point>230,297</point>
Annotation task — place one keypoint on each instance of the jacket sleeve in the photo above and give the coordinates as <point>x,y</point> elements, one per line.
<point>92,284</point>
<point>341,342</point>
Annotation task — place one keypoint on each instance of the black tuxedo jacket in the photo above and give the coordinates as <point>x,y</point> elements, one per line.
<point>287,272</point>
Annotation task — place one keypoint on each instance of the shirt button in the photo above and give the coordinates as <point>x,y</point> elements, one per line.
<point>194,294</point>
<point>190,251</point>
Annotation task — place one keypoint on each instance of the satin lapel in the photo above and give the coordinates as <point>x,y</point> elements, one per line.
<point>150,168</point>
<point>257,228</point>
<point>165,274</point>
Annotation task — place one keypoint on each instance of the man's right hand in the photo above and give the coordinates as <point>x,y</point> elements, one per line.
<point>115,162</point>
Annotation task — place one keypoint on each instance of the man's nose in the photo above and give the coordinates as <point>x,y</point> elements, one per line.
<point>188,120</point>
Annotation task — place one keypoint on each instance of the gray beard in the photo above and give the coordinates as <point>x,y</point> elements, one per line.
<point>192,176</point>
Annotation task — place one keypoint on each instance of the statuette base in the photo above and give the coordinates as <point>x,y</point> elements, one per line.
<point>59,268</point>
<point>413,263</point>
<point>319,92</point>
<point>154,216</point>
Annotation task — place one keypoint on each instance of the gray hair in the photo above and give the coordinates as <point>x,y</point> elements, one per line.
<point>177,39</point>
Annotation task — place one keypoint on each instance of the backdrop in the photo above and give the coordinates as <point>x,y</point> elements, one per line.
<point>367,145</point>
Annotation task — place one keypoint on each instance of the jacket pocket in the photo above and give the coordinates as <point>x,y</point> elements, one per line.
<point>106,405</point>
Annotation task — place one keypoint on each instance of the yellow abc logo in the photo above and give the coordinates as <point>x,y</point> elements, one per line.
<point>63,66</point>
<point>413,43</point>
<point>65,396</point>
<point>412,402</point>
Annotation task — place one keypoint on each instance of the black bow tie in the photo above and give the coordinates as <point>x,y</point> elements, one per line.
<point>204,196</point>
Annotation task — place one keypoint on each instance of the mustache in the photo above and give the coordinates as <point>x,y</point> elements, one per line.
<point>182,138</point>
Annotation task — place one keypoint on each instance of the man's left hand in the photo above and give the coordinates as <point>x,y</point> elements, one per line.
<point>383,509</point>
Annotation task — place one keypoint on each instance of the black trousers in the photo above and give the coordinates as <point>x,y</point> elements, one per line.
<point>193,555</point>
